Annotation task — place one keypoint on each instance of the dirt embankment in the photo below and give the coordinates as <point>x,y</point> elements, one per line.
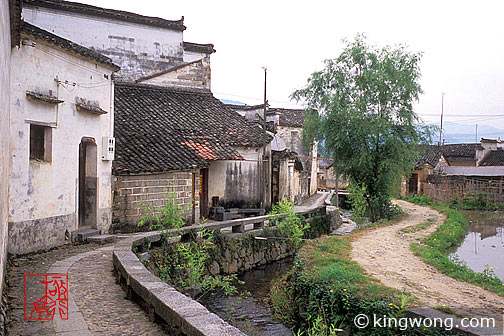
<point>385,254</point>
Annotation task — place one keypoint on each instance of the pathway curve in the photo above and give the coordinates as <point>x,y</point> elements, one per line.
<point>385,254</point>
<point>312,202</point>
<point>97,305</point>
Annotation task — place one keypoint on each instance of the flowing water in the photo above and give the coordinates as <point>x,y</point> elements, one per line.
<point>483,247</point>
<point>252,314</point>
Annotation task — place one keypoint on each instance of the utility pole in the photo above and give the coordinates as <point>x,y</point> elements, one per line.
<point>442,111</point>
<point>476,133</point>
<point>264,161</point>
<point>265,105</point>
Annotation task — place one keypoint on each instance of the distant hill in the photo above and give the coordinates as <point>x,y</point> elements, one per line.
<point>464,133</point>
<point>233,102</point>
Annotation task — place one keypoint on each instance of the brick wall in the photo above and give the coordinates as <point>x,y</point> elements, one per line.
<point>131,191</point>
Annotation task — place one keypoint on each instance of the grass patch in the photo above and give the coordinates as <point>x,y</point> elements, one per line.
<point>326,284</point>
<point>449,310</point>
<point>328,261</point>
<point>418,227</point>
<point>436,248</point>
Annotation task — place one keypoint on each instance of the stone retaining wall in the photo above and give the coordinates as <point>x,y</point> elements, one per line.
<point>185,315</point>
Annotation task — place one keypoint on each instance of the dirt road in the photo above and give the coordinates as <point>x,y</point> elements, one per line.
<point>385,254</point>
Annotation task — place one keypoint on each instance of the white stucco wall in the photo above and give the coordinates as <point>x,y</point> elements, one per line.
<point>237,183</point>
<point>139,50</point>
<point>44,195</point>
<point>5,52</point>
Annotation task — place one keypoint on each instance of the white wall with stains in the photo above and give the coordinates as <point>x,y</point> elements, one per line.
<point>140,50</point>
<point>43,200</point>
<point>237,183</point>
<point>5,51</point>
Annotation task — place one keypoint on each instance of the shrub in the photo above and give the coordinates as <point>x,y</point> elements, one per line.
<point>289,224</point>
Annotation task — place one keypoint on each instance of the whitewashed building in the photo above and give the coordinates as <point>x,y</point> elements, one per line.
<point>61,125</point>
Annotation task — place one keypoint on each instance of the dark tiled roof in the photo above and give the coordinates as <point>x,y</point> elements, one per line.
<point>428,154</point>
<point>43,97</point>
<point>459,150</point>
<point>160,129</point>
<point>493,158</point>
<point>245,107</point>
<point>151,150</point>
<point>325,162</point>
<point>289,117</point>
<point>198,47</point>
<point>66,44</point>
<point>80,8</point>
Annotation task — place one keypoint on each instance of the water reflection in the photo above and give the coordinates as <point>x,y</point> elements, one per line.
<point>484,244</point>
<point>252,314</point>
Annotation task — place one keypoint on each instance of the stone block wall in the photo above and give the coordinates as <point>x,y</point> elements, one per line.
<point>131,190</point>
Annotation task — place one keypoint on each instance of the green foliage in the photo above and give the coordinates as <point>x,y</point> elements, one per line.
<point>186,265</point>
<point>475,202</point>
<point>357,199</point>
<point>366,120</point>
<point>320,327</point>
<point>435,249</point>
<point>289,224</point>
<point>419,199</point>
<point>326,289</point>
<point>165,217</point>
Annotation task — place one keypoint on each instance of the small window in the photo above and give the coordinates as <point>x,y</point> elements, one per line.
<point>40,143</point>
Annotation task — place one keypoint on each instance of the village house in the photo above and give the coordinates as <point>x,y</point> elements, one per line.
<point>182,140</point>
<point>326,179</point>
<point>294,177</point>
<point>457,169</point>
<point>293,167</point>
<point>171,133</point>
<point>61,122</point>
<point>10,14</point>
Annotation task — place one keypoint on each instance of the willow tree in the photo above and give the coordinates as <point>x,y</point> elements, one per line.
<point>366,120</point>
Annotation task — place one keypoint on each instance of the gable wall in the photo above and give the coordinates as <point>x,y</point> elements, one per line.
<point>139,50</point>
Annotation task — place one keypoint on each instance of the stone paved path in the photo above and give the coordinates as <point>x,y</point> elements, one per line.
<point>97,304</point>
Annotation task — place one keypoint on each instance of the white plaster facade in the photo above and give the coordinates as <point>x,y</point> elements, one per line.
<point>140,50</point>
<point>5,56</point>
<point>238,183</point>
<point>44,196</point>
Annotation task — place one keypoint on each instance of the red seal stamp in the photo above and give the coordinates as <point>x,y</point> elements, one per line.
<point>52,300</point>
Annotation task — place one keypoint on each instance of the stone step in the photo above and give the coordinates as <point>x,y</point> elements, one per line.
<point>85,234</point>
<point>102,239</point>
<point>344,229</point>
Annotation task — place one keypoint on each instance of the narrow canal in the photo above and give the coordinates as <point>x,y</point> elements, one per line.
<point>252,314</point>
<point>483,247</point>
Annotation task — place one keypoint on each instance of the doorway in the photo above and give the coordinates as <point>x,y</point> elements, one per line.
<point>413,184</point>
<point>204,192</point>
<point>88,183</point>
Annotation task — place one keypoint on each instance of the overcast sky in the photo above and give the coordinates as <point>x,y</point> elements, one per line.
<point>462,42</point>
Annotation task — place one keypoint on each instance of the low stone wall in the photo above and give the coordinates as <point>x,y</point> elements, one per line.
<point>236,256</point>
<point>131,190</point>
<point>185,315</point>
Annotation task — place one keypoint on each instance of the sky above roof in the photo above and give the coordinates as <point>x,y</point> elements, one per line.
<point>461,43</point>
